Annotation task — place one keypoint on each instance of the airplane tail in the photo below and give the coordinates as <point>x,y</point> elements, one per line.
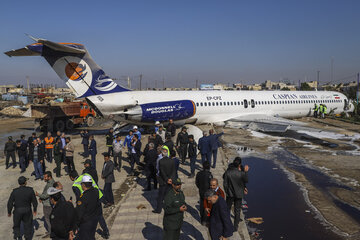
<point>73,64</point>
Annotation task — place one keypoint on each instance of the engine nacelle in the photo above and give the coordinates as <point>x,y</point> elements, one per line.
<point>163,111</point>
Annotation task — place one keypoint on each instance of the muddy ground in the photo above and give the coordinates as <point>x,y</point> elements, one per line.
<point>340,163</point>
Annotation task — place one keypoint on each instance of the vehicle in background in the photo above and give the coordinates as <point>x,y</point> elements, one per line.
<point>62,116</point>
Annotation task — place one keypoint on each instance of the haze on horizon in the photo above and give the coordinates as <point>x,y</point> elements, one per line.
<point>212,41</point>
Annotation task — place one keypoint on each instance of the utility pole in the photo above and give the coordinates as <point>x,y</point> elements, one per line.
<point>197,83</point>
<point>332,69</point>
<point>140,80</point>
<point>28,84</point>
<point>155,84</point>
<point>163,82</point>
<point>318,79</point>
<point>358,91</point>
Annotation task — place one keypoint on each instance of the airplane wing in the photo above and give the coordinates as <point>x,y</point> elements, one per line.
<point>263,123</point>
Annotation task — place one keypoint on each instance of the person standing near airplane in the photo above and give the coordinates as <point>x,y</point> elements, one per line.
<point>109,141</point>
<point>204,147</point>
<point>214,145</point>
<point>181,143</point>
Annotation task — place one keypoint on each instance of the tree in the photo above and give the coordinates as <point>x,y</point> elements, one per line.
<point>285,89</point>
<point>305,87</point>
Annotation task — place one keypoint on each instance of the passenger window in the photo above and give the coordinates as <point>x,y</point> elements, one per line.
<point>220,103</point>
<point>242,103</point>
<point>245,104</point>
<point>239,103</point>
<point>205,104</point>
<point>231,103</point>
<point>201,104</point>
<point>217,103</point>
<point>213,104</point>
<point>197,104</point>
<point>228,103</point>
<point>209,104</point>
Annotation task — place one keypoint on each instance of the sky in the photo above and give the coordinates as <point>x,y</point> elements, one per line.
<point>184,41</point>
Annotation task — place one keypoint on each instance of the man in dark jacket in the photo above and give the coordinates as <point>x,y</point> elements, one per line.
<point>171,129</point>
<point>220,226</point>
<point>21,150</point>
<point>90,170</point>
<point>192,151</point>
<point>204,147</point>
<point>170,144</point>
<point>135,152</point>
<point>234,186</point>
<point>21,200</point>
<point>174,208</point>
<point>203,184</point>
<point>30,142</point>
<point>109,140</point>
<point>166,175</point>
<point>156,139</point>
<point>58,156</point>
<point>85,142</point>
<point>9,151</point>
<point>150,166</point>
<point>93,151</point>
<point>108,176</point>
<point>41,153</point>
<point>181,143</point>
<point>214,145</point>
<point>88,209</point>
<point>62,217</point>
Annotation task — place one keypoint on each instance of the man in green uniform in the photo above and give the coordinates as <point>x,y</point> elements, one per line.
<point>316,109</point>
<point>174,207</point>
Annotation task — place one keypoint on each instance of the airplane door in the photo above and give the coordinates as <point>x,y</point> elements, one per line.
<point>245,103</point>
<point>252,103</point>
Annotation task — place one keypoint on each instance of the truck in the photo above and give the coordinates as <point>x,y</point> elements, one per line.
<point>62,116</point>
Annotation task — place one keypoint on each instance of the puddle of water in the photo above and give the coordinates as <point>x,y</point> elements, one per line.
<point>281,204</point>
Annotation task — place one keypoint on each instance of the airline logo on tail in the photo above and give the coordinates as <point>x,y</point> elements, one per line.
<point>74,65</point>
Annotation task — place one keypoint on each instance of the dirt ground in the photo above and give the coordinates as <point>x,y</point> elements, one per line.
<point>344,168</point>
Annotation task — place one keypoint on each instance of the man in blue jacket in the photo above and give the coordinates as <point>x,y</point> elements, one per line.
<point>93,151</point>
<point>204,147</point>
<point>220,226</point>
<point>214,145</point>
<point>85,142</point>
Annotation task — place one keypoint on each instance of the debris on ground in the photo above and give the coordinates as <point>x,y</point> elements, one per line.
<point>257,220</point>
<point>141,206</point>
<point>12,111</point>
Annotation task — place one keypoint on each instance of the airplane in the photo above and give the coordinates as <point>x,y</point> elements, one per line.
<point>269,110</point>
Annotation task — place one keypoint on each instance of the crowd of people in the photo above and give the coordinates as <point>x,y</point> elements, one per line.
<point>320,110</point>
<point>160,165</point>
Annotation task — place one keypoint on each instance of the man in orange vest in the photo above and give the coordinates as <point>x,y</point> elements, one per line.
<point>49,145</point>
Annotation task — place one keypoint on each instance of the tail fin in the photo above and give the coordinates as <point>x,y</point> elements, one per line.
<point>73,63</point>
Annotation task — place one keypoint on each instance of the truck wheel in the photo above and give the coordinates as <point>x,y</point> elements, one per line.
<point>60,125</point>
<point>90,120</point>
<point>69,124</point>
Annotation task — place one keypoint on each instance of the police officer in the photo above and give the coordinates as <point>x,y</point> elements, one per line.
<point>174,207</point>
<point>21,200</point>
<point>9,151</point>
<point>181,143</point>
<point>62,217</point>
<point>78,191</point>
<point>88,209</point>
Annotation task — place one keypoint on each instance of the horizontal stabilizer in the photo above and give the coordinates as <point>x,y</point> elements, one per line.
<point>21,52</point>
<point>61,47</point>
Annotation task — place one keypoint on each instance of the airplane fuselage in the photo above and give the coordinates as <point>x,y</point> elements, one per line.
<point>213,106</point>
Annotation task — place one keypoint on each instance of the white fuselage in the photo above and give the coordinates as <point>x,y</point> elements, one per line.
<point>220,106</point>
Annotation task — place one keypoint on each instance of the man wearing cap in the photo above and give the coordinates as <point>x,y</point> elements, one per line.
<point>90,170</point>
<point>78,190</point>
<point>21,199</point>
<point>45,199</point>
<point>167,171</point>
<point>62,217</point>
<point>174,208</point>
<point>157,125</point>
<point>9,151</point>
<point>182,143</point>
<point>137,132</point>
<point>108,175</point>
<point>88,209</point>
<point>220,226</point>
<point>109,141</point>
